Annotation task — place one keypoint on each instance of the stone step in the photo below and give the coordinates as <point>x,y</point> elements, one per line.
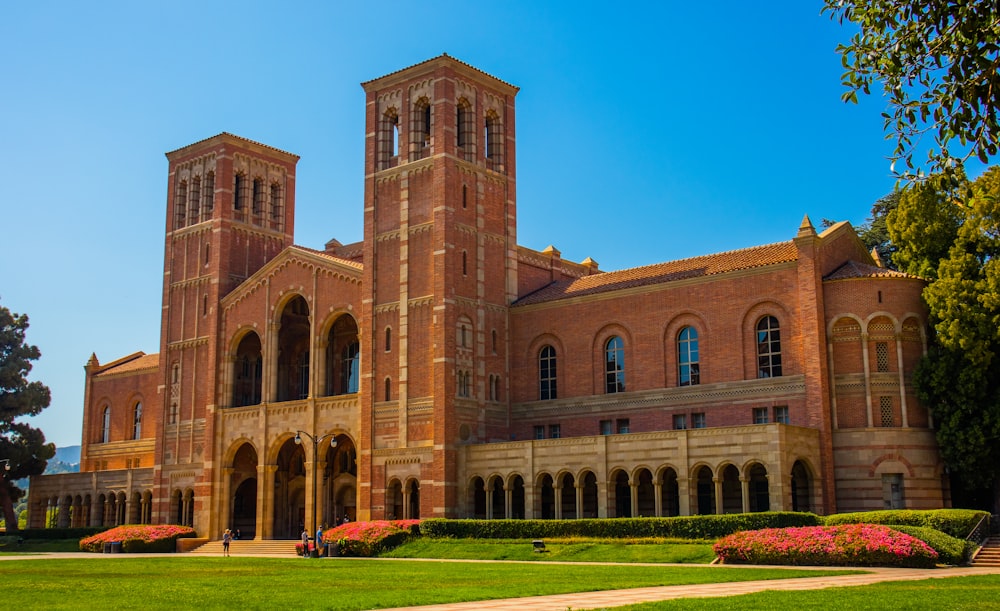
<point>241,547</point>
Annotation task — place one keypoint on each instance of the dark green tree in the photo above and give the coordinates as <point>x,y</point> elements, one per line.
<point>938,63</point>
<point>22,445</point>
<point>957,248</point>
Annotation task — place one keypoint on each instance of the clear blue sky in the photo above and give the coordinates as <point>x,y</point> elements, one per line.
<point>646,132</point>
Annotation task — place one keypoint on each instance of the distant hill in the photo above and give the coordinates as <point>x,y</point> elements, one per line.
<point>66,460</point>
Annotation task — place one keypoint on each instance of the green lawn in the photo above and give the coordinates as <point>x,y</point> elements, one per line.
<point>264,583</point>
<point>563,550</point>
<point>954,594</point>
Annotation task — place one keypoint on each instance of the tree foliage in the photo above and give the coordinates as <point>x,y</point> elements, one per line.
<point>938,62</point>
<point>23,445</point>
<point>957,248</point>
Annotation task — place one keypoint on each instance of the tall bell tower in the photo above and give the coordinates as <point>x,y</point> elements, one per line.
<point>440,273</point>
<point>230,209</point>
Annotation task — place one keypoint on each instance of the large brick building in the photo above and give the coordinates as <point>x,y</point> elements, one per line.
<point>459,374</point>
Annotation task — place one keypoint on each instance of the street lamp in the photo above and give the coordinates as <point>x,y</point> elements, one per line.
<point>316,441</point>
<point>6,464</point>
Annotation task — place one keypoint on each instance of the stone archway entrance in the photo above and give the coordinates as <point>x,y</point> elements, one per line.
<point>243,501</point>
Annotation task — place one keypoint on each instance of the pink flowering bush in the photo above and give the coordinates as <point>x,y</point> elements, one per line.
<point>136,538</point>
<point>370,538</point>
<point>844,545</point>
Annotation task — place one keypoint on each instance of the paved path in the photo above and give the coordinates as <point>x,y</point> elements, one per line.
<point>616,598</point>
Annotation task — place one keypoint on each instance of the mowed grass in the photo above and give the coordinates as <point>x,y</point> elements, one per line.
<point>953,593</point>
<point>562,550</point>
<point>266,583</point>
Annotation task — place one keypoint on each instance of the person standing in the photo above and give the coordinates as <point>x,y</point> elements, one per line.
<point>305,543</point>
<point>319,538</point>
<point>227,538</point>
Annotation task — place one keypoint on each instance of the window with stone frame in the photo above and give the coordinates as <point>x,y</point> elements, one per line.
<point>688,369</point>
<point>277,208</point>
<point>882,357</point>
<point>258,200</point>
<point>241,193</point>
<point>605,427</point>
<point>622,426</point>
<point>493,134</point>
<point>194,203</point>
<point>555,431</point>
<point>886,411</point>
<point>180,204</point>
<point>760,415</point>
<point>547,373</point>
<point>781,414</point>
<point>106,425</point>
<point>539,431</point>
<point>680,422</point>
<point>465,129</point>
<point>768,348</point>
<point>137,421</point>
<point>614,365</point>
<point>387,141</point>
<point>208,206</point>
<point>420,129</point>
<point>698,420</point>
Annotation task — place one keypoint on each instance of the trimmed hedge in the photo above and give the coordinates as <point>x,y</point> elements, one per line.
<point>59,533</point>
<point>955,522</point>
<point>950,550</point>
<point>138,538</point>
<point>682,527</point>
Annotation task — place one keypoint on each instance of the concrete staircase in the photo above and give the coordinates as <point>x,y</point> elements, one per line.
<point>989,555</point>
<point>273,548</point>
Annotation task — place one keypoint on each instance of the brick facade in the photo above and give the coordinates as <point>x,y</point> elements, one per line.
<point>439,369</point>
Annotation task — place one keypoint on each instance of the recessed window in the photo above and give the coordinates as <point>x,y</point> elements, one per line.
<point>555,431</point>
<point>180,204</point>
<point>208,205</point>
<point>760,415</point>
<point>892,491</point>
<point>680,422</point>
<point>698,420</point>
<point>388,389</point>
<point>687,357</point>
<point>465,263</point>
<point>622,426</point>
<point>605,427</point>
<point>388,339</point>
<point>781,414</point>
<point>614,365</point>
<point>539,431</point>
<point>886,411</point>
<point>493,336</point>
<point>137,421</point>
<point>240,195</point>
<point>768,348</point>
<point>277,209</point>
<point>882,356</point>
<point>106,425</point>
<point>195,201</point>
<point>465,129</point>
<point>465,196</point>
<point>547,373</point>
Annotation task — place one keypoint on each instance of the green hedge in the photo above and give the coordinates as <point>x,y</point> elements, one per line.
<point>955,522</point>
<point>59,533</point>
<point>684,527</point>
<point>950,549</point>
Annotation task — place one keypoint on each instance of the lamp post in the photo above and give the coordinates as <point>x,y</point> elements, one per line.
<point>316,441</point>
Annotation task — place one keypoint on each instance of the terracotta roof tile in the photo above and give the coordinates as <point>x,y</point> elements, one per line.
<point>660,273</point>
<point>326,255</point>
<point>853,269</point>
<point>144,361</point>
<point>442,56</point>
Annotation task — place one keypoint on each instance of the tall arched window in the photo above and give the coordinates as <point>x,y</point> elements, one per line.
<point>688,371</point>
<point>258,198</point>
<point>193,208</point>
<point>137,422</point>
<point>388,389</point>
<point>768,348</point>
<point>465,129</point>
<point>349,368</point>
<point>106,425</point>
<point>209,191</point>
<point>180,204</point>
<point>388,139</point>
<point>614,365</point>
<point>420,129</point>
<point>547,373</point>
<point>388,339</point>
<point>240,195</point>
<point>277,210</point>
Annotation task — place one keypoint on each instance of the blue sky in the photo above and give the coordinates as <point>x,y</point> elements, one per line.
<point>646,132</point>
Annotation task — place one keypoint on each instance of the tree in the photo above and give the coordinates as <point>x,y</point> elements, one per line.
<point>957,248</point>
<point>939,65</point>
<point>21,444</point>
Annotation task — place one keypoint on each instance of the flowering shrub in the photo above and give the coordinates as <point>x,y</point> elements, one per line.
<point>135,538</point>
<point>370,538</point>
<point>845,545</point>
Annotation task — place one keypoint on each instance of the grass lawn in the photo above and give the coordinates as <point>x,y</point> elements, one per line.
<point>264,583</point>
<point>564,550</point>
<point>40,546</point>
<point>954,594</point>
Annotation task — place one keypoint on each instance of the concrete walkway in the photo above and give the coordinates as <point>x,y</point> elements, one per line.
<point>607,599</point>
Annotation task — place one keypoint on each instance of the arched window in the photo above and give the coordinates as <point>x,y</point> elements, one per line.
<point>208,253</point>
<point>493,336</point>
<point>768,348</point>
<point>465,263</point>
<point>688,370</point>
<point>349,368</point>
<point>106,425</point>
<point>180,204</point>
<point>193,209</point>
<point>304,374</point>
<point>614,365</point>
<point>388,339</point>
<point>277,210</point>
<point>494,140</point>
<point>137,422</point>
<point>465,196</point>
<point>388,139</point>
<point>420,129</point>
<point>240,195</point>
<point>258,198</point>
<point>209,191</point>
<point>388,389</point>
<point>547,373</point>
<point>465,129</point>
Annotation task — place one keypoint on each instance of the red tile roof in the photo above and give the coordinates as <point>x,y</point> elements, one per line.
<point>144,361</point>
<point>707,265</point>
<point>853,269</point>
